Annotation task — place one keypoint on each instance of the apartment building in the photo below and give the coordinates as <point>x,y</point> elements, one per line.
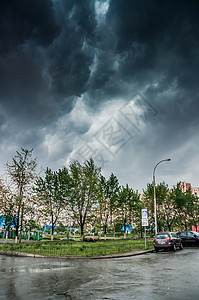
<point>185,186</point>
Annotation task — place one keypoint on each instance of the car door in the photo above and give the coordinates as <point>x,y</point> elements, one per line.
<point>191,240</point>
<point>176,239</point>
<point>183,236</point>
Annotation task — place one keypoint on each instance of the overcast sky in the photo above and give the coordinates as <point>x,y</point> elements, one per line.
<point>116,80</point>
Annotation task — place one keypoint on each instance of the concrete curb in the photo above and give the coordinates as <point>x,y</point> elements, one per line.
<point>8,253</point>
<point>133,253</point>
<point>128,254</point>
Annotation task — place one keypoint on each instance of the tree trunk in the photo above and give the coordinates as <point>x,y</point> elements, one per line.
<point>124,230</point>
<point>17,225</point>
<point>105,226</point>
<point>105,231</point>
<point>82,231</point>
<point>52,230</point>
<point>21,223</point>
<point>16,239</point>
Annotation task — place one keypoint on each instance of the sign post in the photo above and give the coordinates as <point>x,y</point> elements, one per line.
<point>144,221</point>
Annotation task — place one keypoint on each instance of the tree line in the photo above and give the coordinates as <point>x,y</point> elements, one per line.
<point>176,210</point>
<point>83,197</point>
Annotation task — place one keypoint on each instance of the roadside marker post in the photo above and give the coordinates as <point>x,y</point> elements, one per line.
<point>144,222</point>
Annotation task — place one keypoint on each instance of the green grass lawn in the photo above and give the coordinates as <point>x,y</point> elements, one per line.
<point>78,249</point>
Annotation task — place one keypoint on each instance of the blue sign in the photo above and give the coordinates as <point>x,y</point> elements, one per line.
<point>144,213</point>
<point>8,220</point>
<point>128,228</point>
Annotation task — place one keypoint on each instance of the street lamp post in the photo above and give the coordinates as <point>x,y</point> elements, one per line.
<point>155,214</point>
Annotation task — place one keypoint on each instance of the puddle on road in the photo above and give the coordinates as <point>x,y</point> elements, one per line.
<point>152,276</point>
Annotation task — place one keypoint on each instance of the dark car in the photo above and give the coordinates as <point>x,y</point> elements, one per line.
<point>167,241</point>
<point>189,238</point>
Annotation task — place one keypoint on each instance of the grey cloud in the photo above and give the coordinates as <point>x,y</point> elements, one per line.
<point>23,21</point>
<point>156,37</point>
<point>71,55</point>
<point>45,57</point>
<point>52,52</point>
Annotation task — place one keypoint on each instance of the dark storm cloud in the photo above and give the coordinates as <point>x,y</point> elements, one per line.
<point>54,51</point>
<point>22,21</point>
<point>48,50</point>
<point>44,57</point>
<point>26,28</point>
<point>154,42</point>
<point>71,55</point>
<point>154,37</point>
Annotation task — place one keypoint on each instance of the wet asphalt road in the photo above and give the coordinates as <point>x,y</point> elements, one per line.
<point>163,275</point>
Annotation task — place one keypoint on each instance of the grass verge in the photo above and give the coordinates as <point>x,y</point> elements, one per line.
<point>80,249</point>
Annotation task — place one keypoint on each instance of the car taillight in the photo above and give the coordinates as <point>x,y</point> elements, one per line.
<point>154,240</point>
<point>169,239</point>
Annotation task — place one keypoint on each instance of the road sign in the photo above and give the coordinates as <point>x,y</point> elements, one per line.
<point>145,222</point>
<point>144,217</point>
<point>144,213</point>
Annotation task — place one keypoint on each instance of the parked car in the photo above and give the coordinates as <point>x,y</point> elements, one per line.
<point>167,241</point>
<point>189,238</point>
<point>67,239</point>
<point>90,238</point>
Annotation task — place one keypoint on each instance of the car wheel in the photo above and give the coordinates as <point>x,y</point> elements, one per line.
<point>174,247</point>
<point>156,250</point>
<point>181,246</point>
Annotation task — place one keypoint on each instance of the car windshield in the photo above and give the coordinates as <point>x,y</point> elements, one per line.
<point>162,236</point>
<point>183,233</point>
<point>196,233</point>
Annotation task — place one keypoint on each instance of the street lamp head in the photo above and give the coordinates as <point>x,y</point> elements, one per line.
<point>168,159</point>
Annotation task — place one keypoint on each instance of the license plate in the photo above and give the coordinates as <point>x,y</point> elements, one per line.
<point>161,242</point>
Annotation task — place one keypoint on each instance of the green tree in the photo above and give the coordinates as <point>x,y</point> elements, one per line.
<point>102,200</point>
<point>60,228</point>
<point>108,195</point>
<point>52,192</point>
<point>148,201</point>
<point>84,191</point>
<point>162,202</point>
<point>128,207</point>
<point>31,215</point>
<point>186,206</point>
<point>22,173</point>
<point>192,209</point>
<point>7,206</point>
<point>167,213</point>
